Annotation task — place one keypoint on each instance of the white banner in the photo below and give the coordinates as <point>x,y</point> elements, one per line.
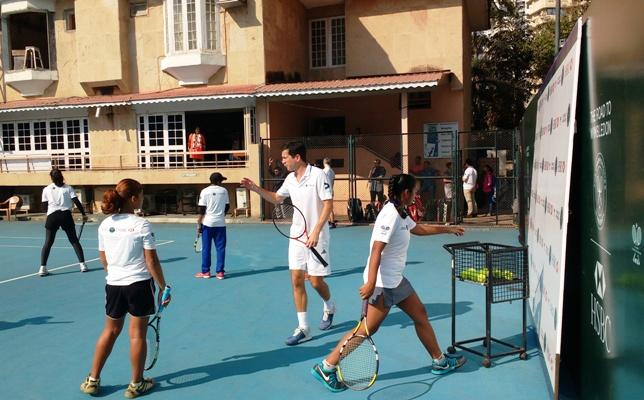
<point>549,195</point>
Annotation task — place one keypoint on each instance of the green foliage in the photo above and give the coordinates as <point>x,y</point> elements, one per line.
<point>509,61</point>
<point>501,69</point>
<point>543,37</point>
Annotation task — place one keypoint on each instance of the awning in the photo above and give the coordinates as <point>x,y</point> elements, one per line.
<point>220,92</point>
<point>173,95</point>
<point>354,85</point>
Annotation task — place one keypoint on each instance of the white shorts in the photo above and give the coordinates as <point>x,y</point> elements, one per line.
<point>303,259</point>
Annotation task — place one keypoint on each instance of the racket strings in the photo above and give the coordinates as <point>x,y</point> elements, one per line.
<point>286,216</point>
<point>358,362</point>
<point>152,347</point>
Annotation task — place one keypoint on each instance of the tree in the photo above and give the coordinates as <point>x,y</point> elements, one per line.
<point>501,69</point>
<point>542,44</point>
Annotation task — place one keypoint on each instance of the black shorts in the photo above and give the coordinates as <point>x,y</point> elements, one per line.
<point>136,299</point>
<point>60,219</point>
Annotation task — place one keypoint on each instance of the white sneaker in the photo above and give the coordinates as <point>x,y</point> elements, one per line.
<point>43,271</point>
<point>83,267</point>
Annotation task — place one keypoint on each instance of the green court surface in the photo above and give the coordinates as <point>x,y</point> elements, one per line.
<point>224,339</point>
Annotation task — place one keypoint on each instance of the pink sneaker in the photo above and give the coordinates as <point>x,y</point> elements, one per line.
<point>202,275</point>
<point>220,275</point>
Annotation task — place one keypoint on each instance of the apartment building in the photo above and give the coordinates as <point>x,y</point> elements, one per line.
<point>107,89</point>
<point>540,11</point>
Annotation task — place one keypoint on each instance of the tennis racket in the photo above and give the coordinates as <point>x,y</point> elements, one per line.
<point>197,244</point>
<point>80,233</point>
<point>359,362</point>
<point>285,211</point>
<point>152,338</point>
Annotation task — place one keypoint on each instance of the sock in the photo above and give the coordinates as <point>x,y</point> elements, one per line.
<point>329,305</point>
<point>440,360</point>
<point>92,379</point>
<point>302,321</point>
<point>327,366</point>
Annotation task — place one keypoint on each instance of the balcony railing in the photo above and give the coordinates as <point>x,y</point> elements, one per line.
<point>147,160</point>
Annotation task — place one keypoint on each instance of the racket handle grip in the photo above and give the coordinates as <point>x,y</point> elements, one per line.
<point>164,297</point>
<point>319,257</point>
<point>365,307</point>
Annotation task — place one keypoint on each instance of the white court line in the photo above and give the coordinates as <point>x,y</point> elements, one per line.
<point>36,238</point>
<point>69,265</point>
<point>40,247</point>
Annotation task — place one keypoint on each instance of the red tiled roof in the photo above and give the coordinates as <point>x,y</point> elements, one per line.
<point>124,99</point>
<point>361,84</point>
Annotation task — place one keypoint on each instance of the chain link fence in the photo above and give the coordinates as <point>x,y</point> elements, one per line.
<point>354,158</point>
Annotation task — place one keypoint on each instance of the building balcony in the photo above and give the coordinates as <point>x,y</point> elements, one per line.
<point>193,68</point>
<point>31,82</point>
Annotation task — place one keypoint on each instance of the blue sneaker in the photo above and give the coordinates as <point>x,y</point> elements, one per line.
<point>329,378</point>
<point>448,364</point>
<point>299,335</point>
<point>327,319</point>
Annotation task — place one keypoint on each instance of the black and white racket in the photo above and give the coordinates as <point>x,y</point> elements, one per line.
<point>283,212</point>
<point>152,338</point>
<point>359,361</point>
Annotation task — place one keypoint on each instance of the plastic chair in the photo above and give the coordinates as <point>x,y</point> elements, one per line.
<point>12,204</point>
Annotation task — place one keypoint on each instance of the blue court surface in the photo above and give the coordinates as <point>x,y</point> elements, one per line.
<point>225,339</point>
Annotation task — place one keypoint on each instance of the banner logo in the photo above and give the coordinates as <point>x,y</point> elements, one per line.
<point>599,190</point>
<point>600,285</point>
<point>599,319</point>
<point>636,232</point>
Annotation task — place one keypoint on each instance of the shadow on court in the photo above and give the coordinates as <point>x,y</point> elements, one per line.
<point>406,390</point>
<point>173,259</point>
<point>250,272</point>
<point>243,364</point>
<point>435,311</point>
<point>4,325</point>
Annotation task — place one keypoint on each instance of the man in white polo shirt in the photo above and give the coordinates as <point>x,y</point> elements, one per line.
<point>213,206</point>
<point>309,191</point>
<point>470,177</point>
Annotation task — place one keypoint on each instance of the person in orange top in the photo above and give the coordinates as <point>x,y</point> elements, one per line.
<point>196,143</point>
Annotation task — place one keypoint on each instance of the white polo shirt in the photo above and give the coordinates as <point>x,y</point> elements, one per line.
<point>390,228</point>
<point>123,237</point>
<point>469,178</point>
<point>308,195</point>
<point>330,176</point>
<point>58,198</point>
<point>214,198</point>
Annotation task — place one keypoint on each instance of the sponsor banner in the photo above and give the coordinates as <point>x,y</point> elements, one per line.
<point>549,198</point>
<point>607,362</point>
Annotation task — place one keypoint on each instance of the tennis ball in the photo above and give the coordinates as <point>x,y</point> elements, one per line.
<point>508,275</point>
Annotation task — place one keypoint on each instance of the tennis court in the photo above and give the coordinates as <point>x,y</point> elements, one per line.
<point>225,339</point>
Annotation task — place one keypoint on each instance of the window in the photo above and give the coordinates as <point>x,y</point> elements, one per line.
<point>161,135</point>
<point>138,8</point>
<point>67,141</point>
<point>70,19</point>
<point>419,100</point>
<point>192,25</point>
<point>8,138</point>
<point>24,136</point>
<point>40,135</point>
<point>327,42</point>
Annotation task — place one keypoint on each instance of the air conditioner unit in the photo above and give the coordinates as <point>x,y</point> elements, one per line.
<point>231,3</point>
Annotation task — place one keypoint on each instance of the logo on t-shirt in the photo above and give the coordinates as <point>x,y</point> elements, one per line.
<point>112,230</point>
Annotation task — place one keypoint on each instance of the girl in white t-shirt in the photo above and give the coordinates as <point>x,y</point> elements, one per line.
<point>384,283</point>
<point>57,199</point>
<point>127,250</point>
